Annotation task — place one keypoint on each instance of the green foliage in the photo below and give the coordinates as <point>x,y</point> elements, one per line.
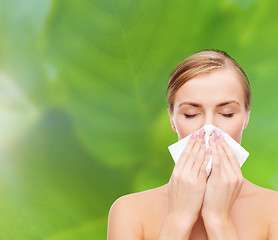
<point>83,110</point>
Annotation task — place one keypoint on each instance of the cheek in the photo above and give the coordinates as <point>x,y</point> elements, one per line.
<point>234,130</point>
<point>185,128</point>
<point>236,134</point>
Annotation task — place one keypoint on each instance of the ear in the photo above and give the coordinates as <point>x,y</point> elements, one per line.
<point>246,120</point>
<point>171,120</point>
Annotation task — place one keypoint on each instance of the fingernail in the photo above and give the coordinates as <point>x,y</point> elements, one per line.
<point>202,133</point>
<point>212,141</point>
<point>213,136</point>
<point>194,135</point>
<point>209,151</point>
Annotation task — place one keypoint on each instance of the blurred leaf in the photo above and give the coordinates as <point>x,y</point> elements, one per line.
<point>83,112</point>
<point>90,230</point>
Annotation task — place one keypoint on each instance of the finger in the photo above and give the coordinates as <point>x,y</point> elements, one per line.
<point>185,153</point>
<point>215,158</point>
<point>188,165</point>
<point>233,176</point>
<point>226,167</point>
<point>203,172</point>
<point>231,155</point>
<point>199,158</point>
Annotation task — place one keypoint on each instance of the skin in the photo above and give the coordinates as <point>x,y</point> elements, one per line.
<point>192,206</point>
<point>211,91</point>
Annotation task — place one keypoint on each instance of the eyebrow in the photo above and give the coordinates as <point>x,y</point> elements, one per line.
<point>218,105</point>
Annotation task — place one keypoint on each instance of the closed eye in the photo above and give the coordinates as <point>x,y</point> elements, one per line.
<point>190,116</point>
<point>229,115</point>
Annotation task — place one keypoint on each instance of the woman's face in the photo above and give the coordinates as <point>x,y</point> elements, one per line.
<point>211,98</point>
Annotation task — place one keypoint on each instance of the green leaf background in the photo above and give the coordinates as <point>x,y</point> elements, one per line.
<point>83,116</point>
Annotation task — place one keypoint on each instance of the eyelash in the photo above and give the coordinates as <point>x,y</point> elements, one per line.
<point>229,115</point>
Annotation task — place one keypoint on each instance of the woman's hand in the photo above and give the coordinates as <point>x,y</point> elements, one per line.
<point>186,190</point>
<point>188,181</point>
<point>224,183</point>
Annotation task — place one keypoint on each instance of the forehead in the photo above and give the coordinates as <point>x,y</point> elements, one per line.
<point>211,88</point>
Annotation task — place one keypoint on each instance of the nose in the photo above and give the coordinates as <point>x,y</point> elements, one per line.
<point>209,119</point>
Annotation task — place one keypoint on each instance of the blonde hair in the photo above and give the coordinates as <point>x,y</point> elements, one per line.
<point>205,61</point>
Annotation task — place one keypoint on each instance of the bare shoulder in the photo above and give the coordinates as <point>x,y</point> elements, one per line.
<point>265,196</point>
<point>267,199</point>
<point>136,201</point>
<point>268,196</point>
<point>270,199</point>
<point>273,214</point>
<point>260,192</point>
<point>128,213</point>
<point>142,196</point>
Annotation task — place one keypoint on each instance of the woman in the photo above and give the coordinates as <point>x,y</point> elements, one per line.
<point>208,87</point>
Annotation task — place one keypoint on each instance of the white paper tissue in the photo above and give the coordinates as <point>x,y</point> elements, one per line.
<point>241,154</point>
